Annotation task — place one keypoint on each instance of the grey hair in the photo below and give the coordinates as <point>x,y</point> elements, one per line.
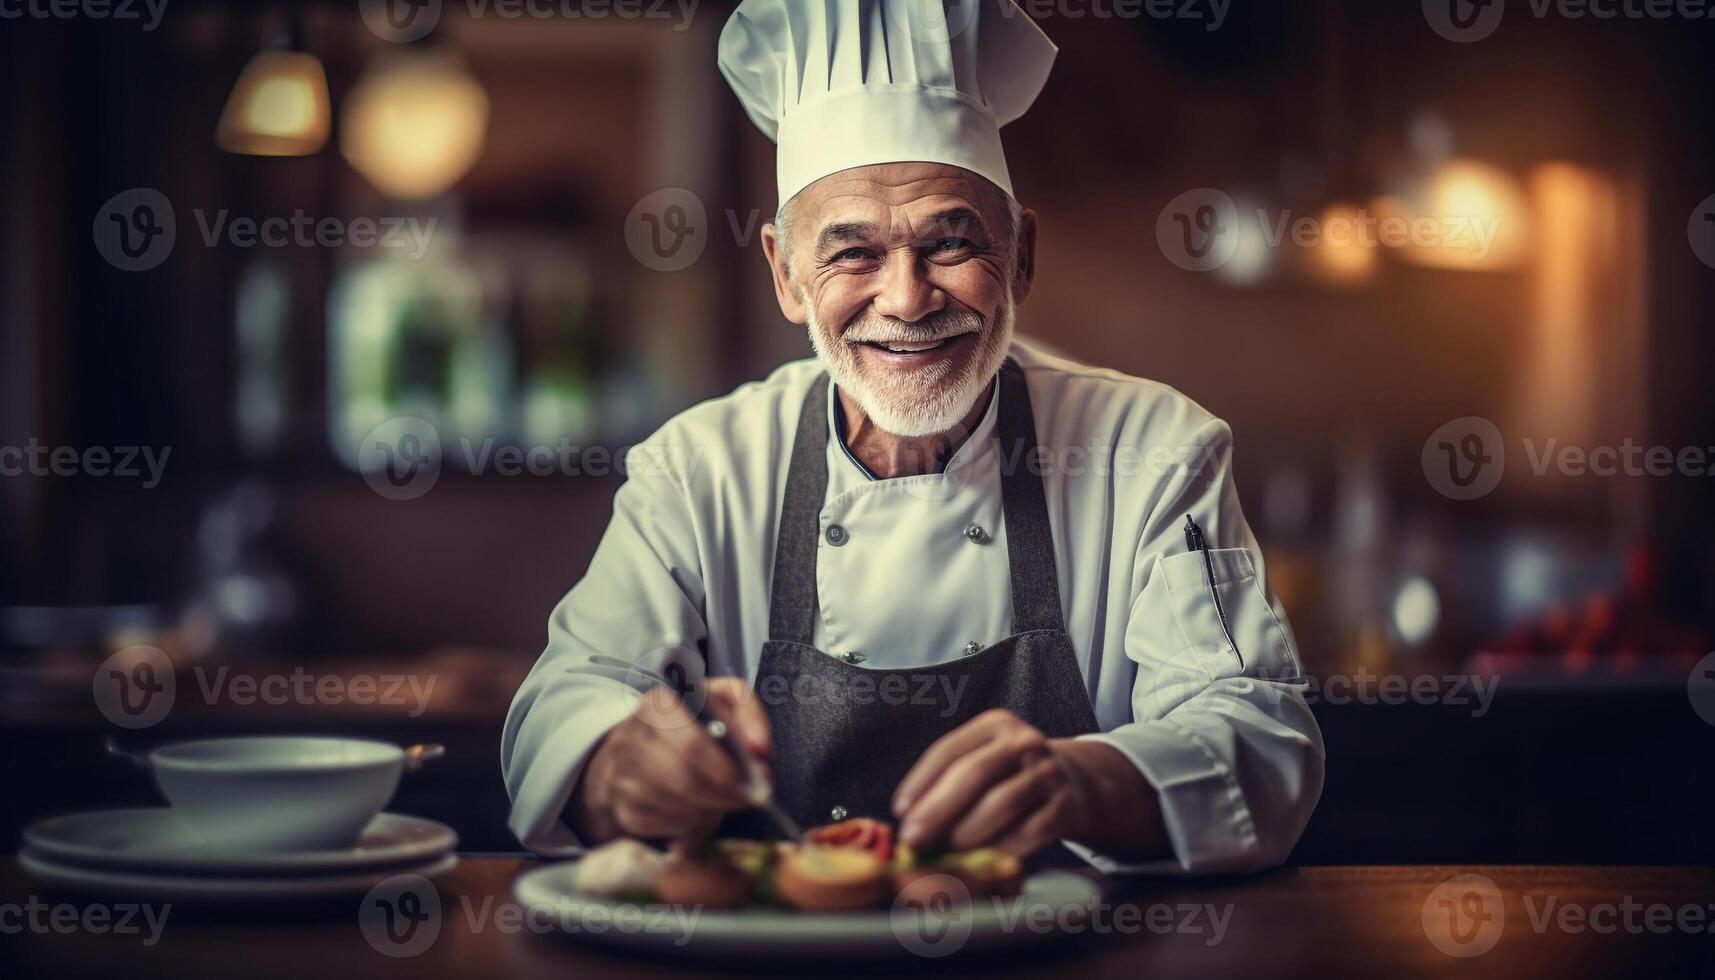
<point>1014,221</point>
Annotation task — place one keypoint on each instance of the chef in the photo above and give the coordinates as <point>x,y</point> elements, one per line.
<point>935,574</point>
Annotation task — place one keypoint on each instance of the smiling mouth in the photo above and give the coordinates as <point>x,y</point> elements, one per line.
<point>913,347</point>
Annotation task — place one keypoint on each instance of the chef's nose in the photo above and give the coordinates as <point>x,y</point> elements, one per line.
<point>906,292</point>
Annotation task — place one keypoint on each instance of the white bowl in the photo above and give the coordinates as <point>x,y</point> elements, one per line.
<point>277,793</point>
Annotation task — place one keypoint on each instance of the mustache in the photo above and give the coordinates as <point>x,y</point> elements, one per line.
<point>932,329</point>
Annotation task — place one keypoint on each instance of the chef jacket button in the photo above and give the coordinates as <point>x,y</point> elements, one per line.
<point>838,812</point>
<point>972,647</point>
<point>853,657</point>
<point>976,533</point>
<point>837,535</point>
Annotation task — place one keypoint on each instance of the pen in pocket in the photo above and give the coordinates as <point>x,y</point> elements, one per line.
<point>1194,541</point>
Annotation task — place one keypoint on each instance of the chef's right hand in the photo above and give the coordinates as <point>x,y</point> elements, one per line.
<point>659,774</point>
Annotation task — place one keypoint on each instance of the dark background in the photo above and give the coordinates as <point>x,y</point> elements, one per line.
<point>264,548</point>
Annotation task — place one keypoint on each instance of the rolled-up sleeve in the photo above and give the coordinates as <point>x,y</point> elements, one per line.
<point>637,610</point>
<point>1220,729</point>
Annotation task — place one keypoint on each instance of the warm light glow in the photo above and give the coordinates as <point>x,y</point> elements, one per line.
<point>1345,249</point>
<point>1416,611</point>
<point>1578,328</point>
<point>279,107</point>
<point>1253,258</point>
<point>1468,215</point>
<point>414,124</point>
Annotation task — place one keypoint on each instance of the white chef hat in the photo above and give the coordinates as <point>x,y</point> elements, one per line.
<point>848,83</point>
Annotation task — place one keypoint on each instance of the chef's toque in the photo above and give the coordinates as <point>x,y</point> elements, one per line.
<point>848,83</point>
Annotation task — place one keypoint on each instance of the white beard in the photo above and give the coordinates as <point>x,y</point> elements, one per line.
<point>926,401</point>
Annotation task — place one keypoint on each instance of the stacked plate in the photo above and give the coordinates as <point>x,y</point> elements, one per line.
<point>149,854</point>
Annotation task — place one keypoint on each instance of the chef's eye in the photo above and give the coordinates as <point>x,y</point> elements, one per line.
<point>851,255</point>
<point>948,250</point>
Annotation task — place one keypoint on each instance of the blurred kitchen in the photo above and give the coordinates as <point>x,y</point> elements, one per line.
<point>535,227</point>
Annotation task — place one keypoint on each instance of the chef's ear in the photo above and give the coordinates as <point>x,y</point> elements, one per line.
<point>1024,268</point>
<point>785,292</point>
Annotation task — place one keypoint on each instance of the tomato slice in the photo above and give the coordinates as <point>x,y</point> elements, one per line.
<point>861,834</point>
<point>883,845</point>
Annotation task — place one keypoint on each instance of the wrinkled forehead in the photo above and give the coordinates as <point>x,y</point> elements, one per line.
<point>899,202</point>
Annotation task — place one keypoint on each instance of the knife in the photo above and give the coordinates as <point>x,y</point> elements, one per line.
<point>760,791</point>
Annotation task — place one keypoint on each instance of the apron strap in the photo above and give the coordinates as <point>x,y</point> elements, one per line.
<point>1030,539</point>
<point>1029,536</point>
<point>792,595</point>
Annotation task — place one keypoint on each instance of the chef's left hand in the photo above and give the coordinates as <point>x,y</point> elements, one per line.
<point>994,781</point>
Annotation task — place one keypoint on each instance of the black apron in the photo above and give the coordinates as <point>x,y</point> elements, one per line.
<point>845,735</point>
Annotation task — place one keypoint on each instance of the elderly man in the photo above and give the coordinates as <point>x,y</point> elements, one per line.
<point>935,574</point>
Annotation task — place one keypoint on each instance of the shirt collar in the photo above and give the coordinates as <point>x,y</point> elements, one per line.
<point>978,436</point>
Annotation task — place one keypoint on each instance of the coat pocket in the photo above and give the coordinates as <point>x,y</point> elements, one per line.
<point>1241,633</point>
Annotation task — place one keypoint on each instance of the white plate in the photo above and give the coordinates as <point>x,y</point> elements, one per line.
<point>155,840</point>
<point>204,888</point>
<point>550,897</point>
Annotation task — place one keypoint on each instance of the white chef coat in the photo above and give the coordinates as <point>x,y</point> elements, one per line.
<point>687,560</point>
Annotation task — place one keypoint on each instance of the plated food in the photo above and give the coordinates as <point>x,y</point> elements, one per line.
<point>848,866</point>
<point>621,869</point>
